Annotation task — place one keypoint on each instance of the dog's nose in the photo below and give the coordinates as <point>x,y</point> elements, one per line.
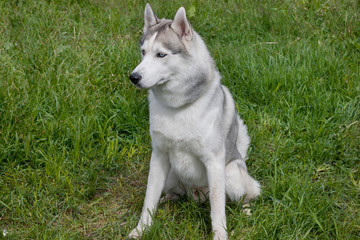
<point>135,78</point>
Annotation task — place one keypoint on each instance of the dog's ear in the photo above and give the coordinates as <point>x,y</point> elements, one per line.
<point>181,24</point>
<point>149,18</point>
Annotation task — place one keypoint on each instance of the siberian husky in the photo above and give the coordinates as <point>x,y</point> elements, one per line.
<point>198,139</point>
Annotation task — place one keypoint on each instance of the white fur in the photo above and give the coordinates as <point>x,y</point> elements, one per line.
<point>189,134</point>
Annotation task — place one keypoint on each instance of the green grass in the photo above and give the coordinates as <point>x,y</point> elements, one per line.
<point>74,141</point>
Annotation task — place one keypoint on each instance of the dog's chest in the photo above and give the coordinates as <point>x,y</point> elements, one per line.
<point>179,139</point>
<point>186,126</point>
<point>184,138</point>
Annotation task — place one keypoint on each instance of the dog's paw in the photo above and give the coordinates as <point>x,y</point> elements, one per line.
<point>135,233</point>
<point>169,197</point>
<point>220,235</point>
<point>246,209</point>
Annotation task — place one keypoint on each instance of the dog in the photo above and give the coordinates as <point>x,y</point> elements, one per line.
<point>198,139</point>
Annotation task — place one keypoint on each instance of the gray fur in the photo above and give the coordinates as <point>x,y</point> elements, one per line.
<point>159,27</point>
<point>195,86</point>
<point>167,36</point>
<point>232,152</point>
<point>172,42</point>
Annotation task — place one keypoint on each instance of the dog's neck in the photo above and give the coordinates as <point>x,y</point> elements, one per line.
<point>177,98</point>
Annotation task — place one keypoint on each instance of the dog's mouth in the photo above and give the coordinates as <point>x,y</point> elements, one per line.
<point>136,79</point>
<point>139,85</point>
<point>162,81</point>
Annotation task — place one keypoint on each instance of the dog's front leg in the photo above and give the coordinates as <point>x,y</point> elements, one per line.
<point>159,168</point>
<point>216,179</point>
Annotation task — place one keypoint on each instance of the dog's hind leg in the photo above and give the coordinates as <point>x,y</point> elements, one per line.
<point>239,183</point>
<point>173,188</point>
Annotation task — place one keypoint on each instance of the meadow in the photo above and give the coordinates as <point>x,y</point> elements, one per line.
<point>74,135</point>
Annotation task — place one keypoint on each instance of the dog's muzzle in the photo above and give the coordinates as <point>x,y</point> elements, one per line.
<point>135,78</point>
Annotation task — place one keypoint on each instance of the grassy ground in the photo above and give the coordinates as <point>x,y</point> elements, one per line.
<point>74,141</point>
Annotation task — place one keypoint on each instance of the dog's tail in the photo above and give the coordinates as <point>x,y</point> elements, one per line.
<point>239,183</point>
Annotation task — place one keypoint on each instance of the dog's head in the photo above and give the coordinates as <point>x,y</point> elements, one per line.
<point>165,48</point>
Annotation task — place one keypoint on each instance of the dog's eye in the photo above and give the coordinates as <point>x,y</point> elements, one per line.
<point>161,55</point>
<point>143,52</point>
